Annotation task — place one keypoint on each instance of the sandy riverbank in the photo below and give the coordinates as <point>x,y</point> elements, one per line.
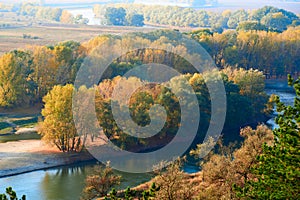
<point>30,155</point>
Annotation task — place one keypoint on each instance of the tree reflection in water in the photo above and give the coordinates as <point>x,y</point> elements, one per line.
<point>65,183</point>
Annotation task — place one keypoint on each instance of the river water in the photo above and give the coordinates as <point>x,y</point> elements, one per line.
<point>66,183</point>
<point>61,183</point>
<point>86,13</point>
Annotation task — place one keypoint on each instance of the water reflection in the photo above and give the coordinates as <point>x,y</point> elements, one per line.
<point>62,183</point>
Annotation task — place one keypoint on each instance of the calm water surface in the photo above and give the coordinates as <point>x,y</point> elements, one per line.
<point>61,183</point>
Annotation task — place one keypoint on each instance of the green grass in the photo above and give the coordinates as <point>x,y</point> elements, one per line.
<point>5,130</point>
<point>26,122</point>
<point>4,125</point>
<point>13,137</point>
<point>21,121</point>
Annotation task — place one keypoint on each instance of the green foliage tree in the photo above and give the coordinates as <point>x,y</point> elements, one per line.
<point>115,16</point>
<point>135,19</point>
<point>276,21</point>
<point>58,126</point>
<point>28,9</point>
<point>258,14</point>
<point>276,172</point>
<point>236,17</point>
<point>250,26</point>
<point>44,13</point>
<point>130,194</point>
<point>79,19</point>
<point>48,13</point>
<point>252,86</point>
<point>11,195</point>
<point>151,192</point>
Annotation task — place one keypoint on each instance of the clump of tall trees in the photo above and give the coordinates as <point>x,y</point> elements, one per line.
<point>41,72</point>
<point>244,105</point>
<point>34,72</point>
<point>265,166</point>
<point>28,75</point>
<point>275,54</point>
<point>58,126</point>
<point>119,17</point>
<point>266,18</point>
<point>39,12</point>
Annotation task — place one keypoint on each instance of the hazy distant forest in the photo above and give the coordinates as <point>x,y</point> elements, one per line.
<point>267,18</point>
<point>247,47</point>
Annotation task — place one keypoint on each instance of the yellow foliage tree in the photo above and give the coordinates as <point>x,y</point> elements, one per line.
<point>58,126</point>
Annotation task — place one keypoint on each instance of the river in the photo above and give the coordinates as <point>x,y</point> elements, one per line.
<point>61,183</point>
<point>66,183</point>
<point>86,13</point>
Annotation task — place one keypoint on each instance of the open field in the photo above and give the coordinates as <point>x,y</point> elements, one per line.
<point>19,123</point>
<point>18,127</point>
<point>50,34</point>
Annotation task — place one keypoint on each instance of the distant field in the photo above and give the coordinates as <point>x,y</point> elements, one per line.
<point>50,34</point>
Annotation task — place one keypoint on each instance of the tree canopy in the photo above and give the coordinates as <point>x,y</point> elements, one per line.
<point>274,19</point>
<point>58,126</point>
<point>277,169</point>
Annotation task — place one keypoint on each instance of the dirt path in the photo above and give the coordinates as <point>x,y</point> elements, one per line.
<point>29,155</point>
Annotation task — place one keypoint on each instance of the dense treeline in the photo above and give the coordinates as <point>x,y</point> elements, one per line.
<point>276,54</point>
<point>266,18</point>
<point>26,76</point>
<point>245,105</point>
<point>33,73</point>
<point>186,3</point>
<point>43,13</point>
<point>265,166</point>
<point>119,17</point>
<point>244,89</point>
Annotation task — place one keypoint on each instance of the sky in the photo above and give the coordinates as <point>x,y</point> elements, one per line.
<point>226,4</point>
<point>83,1</point>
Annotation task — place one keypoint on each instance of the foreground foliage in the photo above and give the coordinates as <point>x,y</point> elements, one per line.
<point>277,170</point>
<point>99,184</point>
<point>230,165</point>
<point>129,193</point>
<point>265,166</point>
<point>11,195</point>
